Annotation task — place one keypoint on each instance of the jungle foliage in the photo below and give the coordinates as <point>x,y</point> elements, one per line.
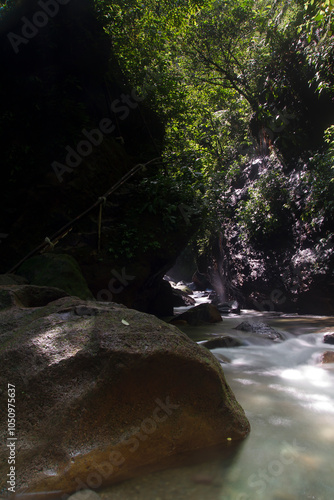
<point>231,81</point>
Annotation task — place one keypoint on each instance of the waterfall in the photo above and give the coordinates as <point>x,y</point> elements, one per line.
<point>216,273</point>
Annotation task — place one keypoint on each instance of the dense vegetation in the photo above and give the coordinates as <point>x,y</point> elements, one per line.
<point>231,81</point>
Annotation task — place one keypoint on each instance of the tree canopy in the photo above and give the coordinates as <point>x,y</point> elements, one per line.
<point>231,81</point>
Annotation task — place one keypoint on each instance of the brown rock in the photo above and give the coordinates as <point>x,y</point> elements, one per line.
<point>28,295</point>
<point>204,313</point>
<point>85,495</point>
<point>225,341</point>
<point>179,322</point>
<point>182,298</point>
<point>103,393</point>
<point>327,357</point>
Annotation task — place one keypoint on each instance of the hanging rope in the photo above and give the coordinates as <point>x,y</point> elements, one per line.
<point>103,202</point>
<point>61,233</point>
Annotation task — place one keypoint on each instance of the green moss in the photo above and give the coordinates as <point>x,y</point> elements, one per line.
<point>57,270</point>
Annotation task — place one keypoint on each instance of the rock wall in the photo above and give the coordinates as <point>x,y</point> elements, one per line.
<point>289,269</point>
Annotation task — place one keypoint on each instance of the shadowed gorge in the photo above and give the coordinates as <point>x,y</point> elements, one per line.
<point>167,190</point>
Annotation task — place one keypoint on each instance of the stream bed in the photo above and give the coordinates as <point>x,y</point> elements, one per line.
<point>288,397</point>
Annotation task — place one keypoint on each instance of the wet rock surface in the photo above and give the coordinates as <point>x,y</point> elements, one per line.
<point>225,341</point>
<point>329,338</point>
<point>261,329</point>
<point>289,269</point>
<point>327,357</point>
<point>204,313</point>
<point>103,390</point>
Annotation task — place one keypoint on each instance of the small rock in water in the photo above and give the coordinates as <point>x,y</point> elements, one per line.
<point>245,326</point>
<point>85,495</point>
<point>327,357</point>
<point>204,313</point>
<point>225,341</point>
<point>223,307</point>
<point>329,338</point>
<point>261,329</point>
<point>226,307</point>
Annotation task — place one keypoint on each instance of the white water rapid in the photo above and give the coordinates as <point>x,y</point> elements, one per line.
<point>288,396</point>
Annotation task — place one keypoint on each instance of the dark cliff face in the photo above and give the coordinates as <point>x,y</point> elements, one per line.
<point>268,255</point>
<point>283,264</point>
<point>71,128</point>
<point>50,72</point>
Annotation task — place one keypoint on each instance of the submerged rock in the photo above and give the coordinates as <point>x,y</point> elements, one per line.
<point>204,313</point>
<point>102,390</point>
<point>261,329</point>
<point>225,341</point>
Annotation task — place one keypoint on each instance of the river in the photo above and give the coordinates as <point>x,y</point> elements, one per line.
<point>288,397</point>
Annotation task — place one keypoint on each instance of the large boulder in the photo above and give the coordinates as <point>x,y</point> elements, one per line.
<point>56,270</point>
<point>102,390</point>
<point>12,279</point>
<point>167,298</point>
<point>163,303</point>
<point>28,295</point>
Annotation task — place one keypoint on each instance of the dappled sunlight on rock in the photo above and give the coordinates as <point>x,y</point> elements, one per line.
<point>98,398</point>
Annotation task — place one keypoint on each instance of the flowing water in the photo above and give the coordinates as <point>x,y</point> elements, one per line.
<point>288,397</point>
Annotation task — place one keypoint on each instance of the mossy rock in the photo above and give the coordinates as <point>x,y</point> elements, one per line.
<point>12,279</point>
<point>104,391</point>
<point>28,296</point>
<point>56,270</point>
